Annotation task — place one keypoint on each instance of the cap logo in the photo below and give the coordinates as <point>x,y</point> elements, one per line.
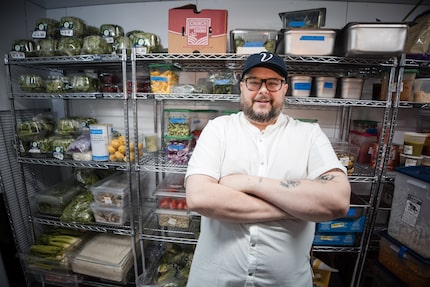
<point>266,57</point>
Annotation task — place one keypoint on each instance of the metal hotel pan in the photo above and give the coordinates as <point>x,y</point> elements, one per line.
<point>372,39</point>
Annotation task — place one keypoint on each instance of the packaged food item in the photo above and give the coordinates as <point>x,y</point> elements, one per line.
<point>177,122</point>
<point>22,48</point>
<point>145,43</point>
<point>31,83</point>
<point>112,191</point>
<point>72,27</point>
<point>110,32</point>
<point>309,18</point>
<point>46,28</point>
<point>95,44</point>
<point>413,143</point>
<point>173,218</point>
<point>347,154</point>
<point>178,149</point>
<point>109,215</point>
<point>325,87</point>
<point>163,77</point>
<point>52,201</point>
<point>351,88</point>
<point>57,84</point>
<point>46,47</point>
<point>69,46</point>
<point>249,41</point>
<point>422,90</point>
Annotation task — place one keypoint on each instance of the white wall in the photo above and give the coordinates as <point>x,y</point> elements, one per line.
<point>152,16</point>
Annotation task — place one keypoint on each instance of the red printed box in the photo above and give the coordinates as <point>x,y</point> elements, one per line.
<point>192,31</point>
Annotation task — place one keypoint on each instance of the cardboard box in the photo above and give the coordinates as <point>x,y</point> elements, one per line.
<point>192,31</point>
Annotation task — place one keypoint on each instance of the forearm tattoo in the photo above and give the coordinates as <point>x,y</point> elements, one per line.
<point>290,183</point>
<point>324,178</point>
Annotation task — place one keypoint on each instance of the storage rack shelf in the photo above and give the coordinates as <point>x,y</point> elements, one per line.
<point>149,230</point>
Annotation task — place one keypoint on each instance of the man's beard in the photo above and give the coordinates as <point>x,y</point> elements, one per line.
<point>260,117</point>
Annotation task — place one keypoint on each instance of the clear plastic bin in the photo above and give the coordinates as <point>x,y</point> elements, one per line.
<point>250,41</point>
<point>112,191</point>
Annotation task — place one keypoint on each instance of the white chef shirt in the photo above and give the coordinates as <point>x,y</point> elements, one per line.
<point>274,253</point>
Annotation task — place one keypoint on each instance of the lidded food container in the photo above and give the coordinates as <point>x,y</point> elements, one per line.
<point>325,87</point>
<point>407,85</point>
<point>422,90</point>
<point>310,18</point>
<point>163,77</point>
<point>306,42</point>
<point>112,191</point>
<point>372,39</point>
<point>413,143</point>
<point>301,86</point>
<point>178,148</point>
<point>53,200</point>
<point>249,41</point>
<point>177,122</point>
<point>351,88</point>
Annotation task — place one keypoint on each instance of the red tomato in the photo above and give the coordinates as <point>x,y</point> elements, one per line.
<point>173,204</point>
<point>165,202</point>
<point>180,204</point>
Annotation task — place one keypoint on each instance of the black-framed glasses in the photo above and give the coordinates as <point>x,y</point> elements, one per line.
<point>272,84</point>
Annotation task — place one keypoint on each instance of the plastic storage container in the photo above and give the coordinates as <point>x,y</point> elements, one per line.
<point>408,266</point>
<point>407,85</point>
<point>163,77</point>
<point>365,142</point>
<point>347,154</point>
<point>109,215</point>
<point>178,149</point>
<point>53,200</point>
<point>112,191</point>
<point>422,90</point>
<point>301,86</point>
<point>306,42</point>
<point>413,143</point>
<point>177,122</point>
<point>410,160</point>
<point>351,88</point>
<point>310,18</point>
<point>173,218</point>
<point>325,87</point>
<point>410,210</point>
<point>250,41</point>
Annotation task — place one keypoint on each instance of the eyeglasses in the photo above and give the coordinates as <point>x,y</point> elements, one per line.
<point>272,84</point>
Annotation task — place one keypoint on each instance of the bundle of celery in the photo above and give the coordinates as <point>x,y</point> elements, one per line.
<point>51,249</point>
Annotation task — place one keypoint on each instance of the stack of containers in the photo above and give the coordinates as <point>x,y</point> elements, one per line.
<point>172,208</point>
<point>111,197</point>
<point>405,246</point>
<point>178,138</point>
<point>413,145</point>
<point>364,134</point>
<point>341,231</point>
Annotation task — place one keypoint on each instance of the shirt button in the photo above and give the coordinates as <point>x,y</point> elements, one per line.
<point>253,245</point>
<point>250,274</point>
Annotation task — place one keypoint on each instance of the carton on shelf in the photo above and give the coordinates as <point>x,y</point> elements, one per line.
<point>192,31</point>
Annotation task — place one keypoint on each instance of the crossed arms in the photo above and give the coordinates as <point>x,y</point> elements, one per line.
<point>246,199</point>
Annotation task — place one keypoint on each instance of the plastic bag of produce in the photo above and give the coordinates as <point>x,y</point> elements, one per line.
<point>69,46</point>
<point>46,28</point>
<point>46,47</point>
<point>72,27</point>
<point>95,45</point>
<point>78,210</point>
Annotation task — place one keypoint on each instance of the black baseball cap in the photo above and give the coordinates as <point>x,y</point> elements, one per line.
<point>266,60</point>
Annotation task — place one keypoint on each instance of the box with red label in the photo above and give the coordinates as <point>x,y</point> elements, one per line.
<point>192,31</point>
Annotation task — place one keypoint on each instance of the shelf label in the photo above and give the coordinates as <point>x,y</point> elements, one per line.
<point>412,209</point>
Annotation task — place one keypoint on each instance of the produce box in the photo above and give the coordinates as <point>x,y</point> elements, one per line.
<point>342,225</point>
<point>192,31</point>
<point>112,191</point>
<point>52,201</point>
<point>107,256</point>
<point>250,41</point>
<point>410,209</point>
<point>408,266</point>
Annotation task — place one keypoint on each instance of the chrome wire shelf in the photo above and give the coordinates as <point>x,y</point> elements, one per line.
<point>72,96</point>
<point>72,163</point>
<point>96,227</point>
